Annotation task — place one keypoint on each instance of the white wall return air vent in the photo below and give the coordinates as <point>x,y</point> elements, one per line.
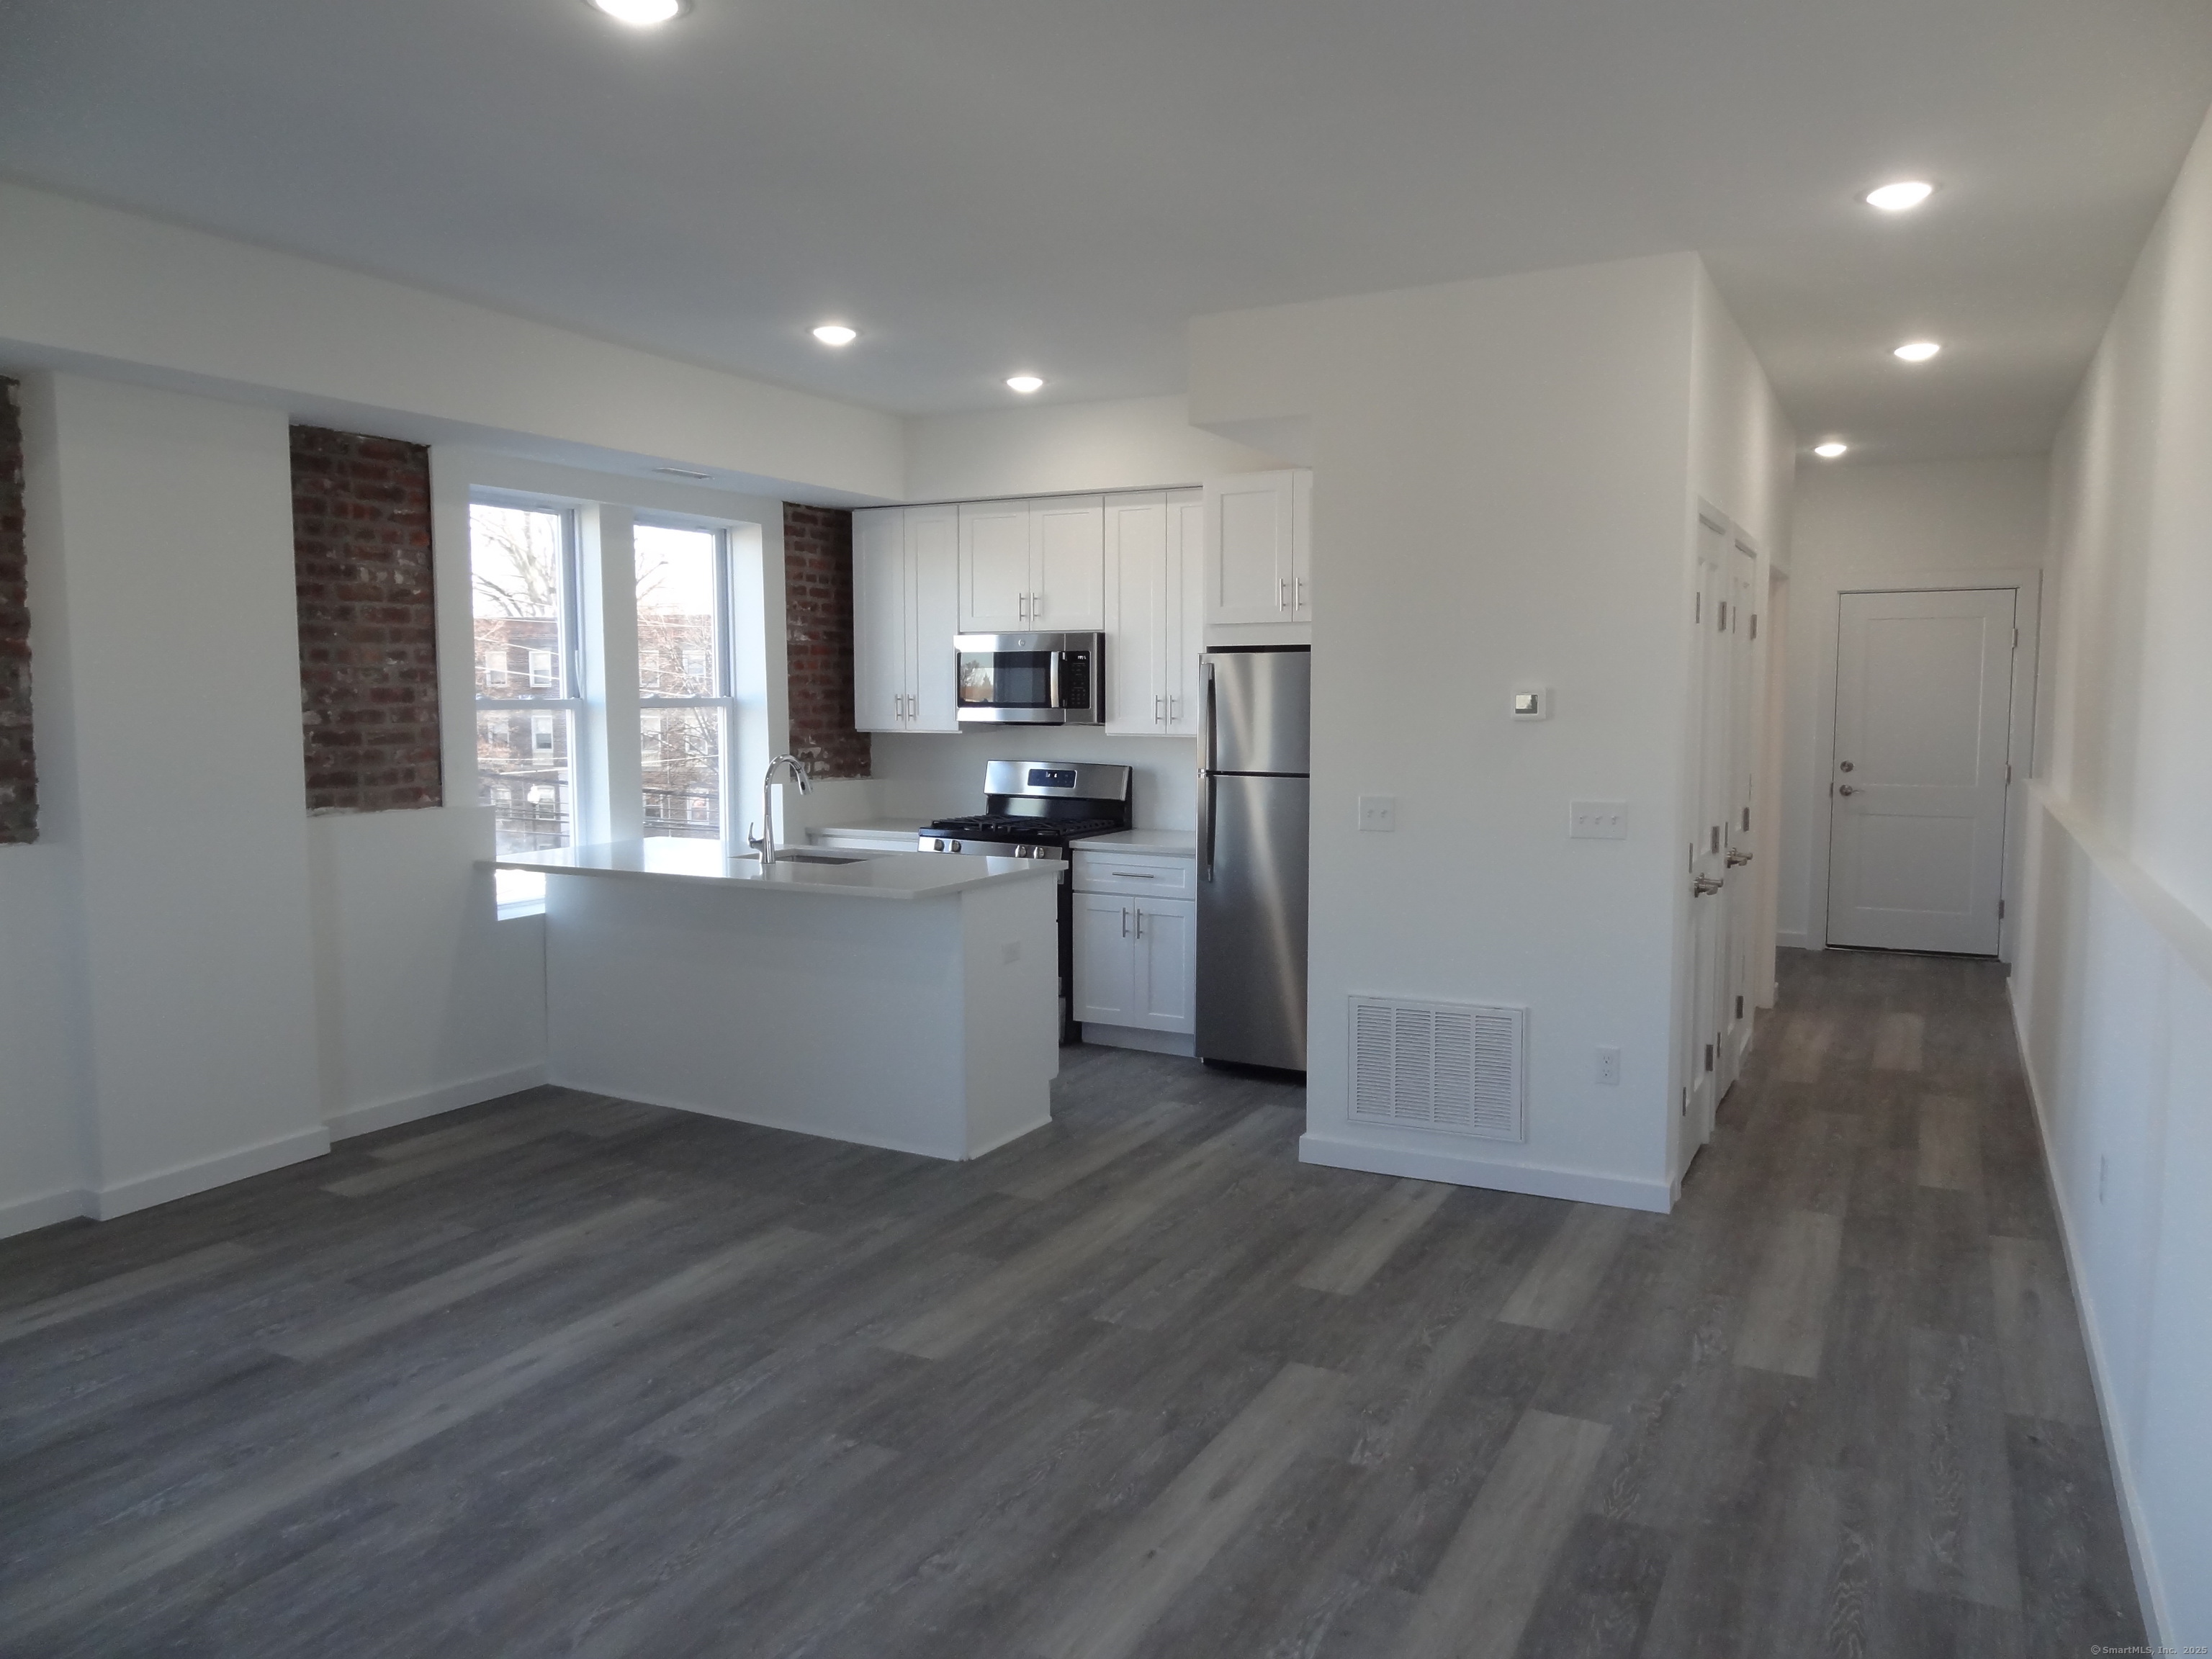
<point>1454,1066</point>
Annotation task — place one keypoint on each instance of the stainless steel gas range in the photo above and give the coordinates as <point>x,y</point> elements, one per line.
<point>1035,809</point>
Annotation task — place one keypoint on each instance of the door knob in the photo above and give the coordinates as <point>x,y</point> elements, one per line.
<point>1736,857</point>
<point>1705,887</point>
<point>1847,789</point>
<point>1846,766</point>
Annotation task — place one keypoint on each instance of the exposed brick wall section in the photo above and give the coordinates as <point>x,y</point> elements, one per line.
<point>19,778</point>
<point>817,632</point>
<point>369,629</point>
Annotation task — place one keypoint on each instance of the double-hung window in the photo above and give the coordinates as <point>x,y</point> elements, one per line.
<point>522,583</point>
<point>684,677</point>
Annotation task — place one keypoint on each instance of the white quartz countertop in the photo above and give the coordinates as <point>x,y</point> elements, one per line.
<point>870,875</point>
<point>872,827</point>
<point>1165,844</point>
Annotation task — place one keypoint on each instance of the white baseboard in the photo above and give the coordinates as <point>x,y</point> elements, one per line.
<point>1794,938</point>
<point>390,1114</point>
<point>26,1215</point>
<point>143,1192</point>
<point>2135,1526</point>
<point>1135,1036</point>
<point>1468,1169</point>
<point>1011,1136</point>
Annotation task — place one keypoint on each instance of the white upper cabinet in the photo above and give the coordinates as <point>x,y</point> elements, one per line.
<point>997,545</point>
<point>1136,612</point>
<point>932,547</point>
<point>882,619</point>
<point>1067,594</point>
<point>1258,541</point>
<point>1026,566</point>
<point>905,571</point>
<point>1154,600</point>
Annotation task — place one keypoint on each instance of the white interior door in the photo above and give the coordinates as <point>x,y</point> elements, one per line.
<point>1706,949</point>
<point>1924,727</point>
<point>1741,896</point>
<point>933,551</point>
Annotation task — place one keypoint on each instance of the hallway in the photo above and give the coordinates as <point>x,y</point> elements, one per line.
<point>563,1374</point>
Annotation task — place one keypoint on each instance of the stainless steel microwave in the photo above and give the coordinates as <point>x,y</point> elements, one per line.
<point>1031,679</point>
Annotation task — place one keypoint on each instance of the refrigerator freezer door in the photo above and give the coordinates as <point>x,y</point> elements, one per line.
<point>1251,923</point>
<point>1262,702</point>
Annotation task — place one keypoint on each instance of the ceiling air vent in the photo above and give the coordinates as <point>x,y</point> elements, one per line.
<point>1439,1066</point>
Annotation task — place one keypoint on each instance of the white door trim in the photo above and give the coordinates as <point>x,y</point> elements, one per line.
<point>2028,587</point>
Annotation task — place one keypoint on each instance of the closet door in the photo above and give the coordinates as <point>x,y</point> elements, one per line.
<point>933,543</point>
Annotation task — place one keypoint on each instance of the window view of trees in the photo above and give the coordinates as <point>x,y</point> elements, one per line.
<point>680,658</point>
<point>524,766</point>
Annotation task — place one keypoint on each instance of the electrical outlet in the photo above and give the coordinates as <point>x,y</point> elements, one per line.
<point>1378,813</point>
<point>1609,1067</point>
<point>1597,820</point>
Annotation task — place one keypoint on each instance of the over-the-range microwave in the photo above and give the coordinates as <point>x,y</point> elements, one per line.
<point>1031,679</point>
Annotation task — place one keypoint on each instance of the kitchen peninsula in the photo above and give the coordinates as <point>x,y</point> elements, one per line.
<point>901,1000</point>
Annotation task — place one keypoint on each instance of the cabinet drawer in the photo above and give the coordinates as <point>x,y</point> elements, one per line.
<point>1151,877</point>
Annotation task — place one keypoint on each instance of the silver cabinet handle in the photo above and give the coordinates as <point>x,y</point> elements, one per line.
<point>1124,922</point>
<point>1140,922</point>
<point>1037,607</point>
<point>1302,592</point>
<point>1175,708</point>
<point>1134,875</point>
<point>1705,887</point>
<point>1159,709</point>
<point>1285,587</point>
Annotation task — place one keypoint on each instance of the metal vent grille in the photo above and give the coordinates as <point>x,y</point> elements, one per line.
<point>1439,1066</point>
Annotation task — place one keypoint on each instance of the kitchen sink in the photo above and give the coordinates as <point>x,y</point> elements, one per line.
<point>807,855</point>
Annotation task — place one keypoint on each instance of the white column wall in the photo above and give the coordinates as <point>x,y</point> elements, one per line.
<point>2114,985</point>
<point>1502,493</point>
<point>169,746</point>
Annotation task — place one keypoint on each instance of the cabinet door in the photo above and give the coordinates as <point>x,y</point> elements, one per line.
<point>1067,592</point>
<point>1301,545</point>
<point>1166,938</point>
<point>1136,612</point>
<point>1184,637</point>
<point>880,624</point>
<point>1105,959</point>
<point>933,550</point>
<point>995,561</point>
<point>1249,521</point>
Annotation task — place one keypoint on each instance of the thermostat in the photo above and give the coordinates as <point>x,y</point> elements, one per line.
<point>1532,703</point>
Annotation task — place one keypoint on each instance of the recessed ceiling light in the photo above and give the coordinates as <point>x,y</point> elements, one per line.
<point>1830,450</point>
<point>642,14</point>
<point>836,334</point>
<point>1901,196</point>
<point>1024,383</point>
<point>1918,351</point>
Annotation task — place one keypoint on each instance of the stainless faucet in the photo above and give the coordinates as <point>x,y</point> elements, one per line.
<point>766,840</point>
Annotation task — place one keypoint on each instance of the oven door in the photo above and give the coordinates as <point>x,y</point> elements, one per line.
<point>1028,679</point>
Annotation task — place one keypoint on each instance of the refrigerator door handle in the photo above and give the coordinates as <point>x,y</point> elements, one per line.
<point>1206,783</point>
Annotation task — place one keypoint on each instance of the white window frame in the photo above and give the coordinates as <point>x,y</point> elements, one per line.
<point>722,664</point>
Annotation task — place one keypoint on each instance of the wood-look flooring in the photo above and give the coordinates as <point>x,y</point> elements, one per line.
<point>561,1374</point>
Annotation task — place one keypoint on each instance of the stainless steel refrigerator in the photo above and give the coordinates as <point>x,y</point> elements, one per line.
<point>1255,798</point>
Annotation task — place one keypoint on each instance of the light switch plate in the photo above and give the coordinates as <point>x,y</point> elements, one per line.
<point>1378,812</point>
<point>1597,820</point>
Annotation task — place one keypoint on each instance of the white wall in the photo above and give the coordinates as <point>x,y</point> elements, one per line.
<point>2114,985</point>
<point>922,776</point>
<point>1859,525</point>
<point>129,297</point>
<point>169,756</point>
<point>1503,492</point>
<point>1133,443</point>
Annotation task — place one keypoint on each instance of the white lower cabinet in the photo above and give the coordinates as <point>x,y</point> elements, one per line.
<point>1134,958</point>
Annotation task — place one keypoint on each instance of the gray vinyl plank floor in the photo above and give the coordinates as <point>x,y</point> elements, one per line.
<point>565,1374</point>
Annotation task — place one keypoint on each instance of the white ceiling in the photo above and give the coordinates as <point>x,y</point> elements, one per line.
<point>984,185</point>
